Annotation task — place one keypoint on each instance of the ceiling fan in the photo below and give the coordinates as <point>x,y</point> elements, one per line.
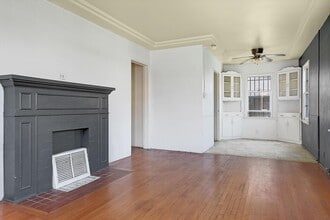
<point>258,56</point>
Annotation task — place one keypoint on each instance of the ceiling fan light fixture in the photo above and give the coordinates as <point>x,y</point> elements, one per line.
<point>213,46</point>
<point>258,56</point>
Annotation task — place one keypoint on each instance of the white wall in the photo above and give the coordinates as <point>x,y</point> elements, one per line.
<point>211,65</point>
<point>261,128</point>
<point>175,113</point>
<point>181,118</point>
<point>137,105</point>
<point>42,40</point>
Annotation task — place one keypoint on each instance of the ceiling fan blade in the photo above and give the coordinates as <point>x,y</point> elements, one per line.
<point>245,61</point>
<point>235,58</point>
<point>277,55</point>
<point>267,59</point>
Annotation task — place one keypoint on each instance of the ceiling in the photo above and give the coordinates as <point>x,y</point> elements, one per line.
<point>235,26</point>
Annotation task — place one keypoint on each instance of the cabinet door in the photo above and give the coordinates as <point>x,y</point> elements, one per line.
<point>292,124</point>
<point>227,86</point>
<point>282,85</point>
<point>237,87</point>
<point>293,84</point>
<point>237,126</point>
<point>288,127</point>
<point>282,128</point>
<point>227,126</point>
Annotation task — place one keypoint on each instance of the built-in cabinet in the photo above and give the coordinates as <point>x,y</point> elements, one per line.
<point>232,124</point>
<point>288,84</point>
<point>231,105</point>
<point>288,127</point>
<point>289,105</point>
<point>231,86</point>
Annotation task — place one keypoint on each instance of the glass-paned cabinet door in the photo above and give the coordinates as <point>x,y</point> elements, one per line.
<point>227,86</point>
<point>293,84</point>
<point>237,87</point>
<point>282,85</point>
<point>288,84</point>
<point>231,86</point>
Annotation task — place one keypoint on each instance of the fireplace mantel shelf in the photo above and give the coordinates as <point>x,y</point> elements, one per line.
<point>18,80</point>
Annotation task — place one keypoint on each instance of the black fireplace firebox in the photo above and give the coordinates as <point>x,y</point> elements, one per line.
<point>45,117</point>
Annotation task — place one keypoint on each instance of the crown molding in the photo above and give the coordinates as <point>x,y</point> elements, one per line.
<point>302,26</point>
<point>139,37</point>
<point>204,39</point>
<point>112,21</point>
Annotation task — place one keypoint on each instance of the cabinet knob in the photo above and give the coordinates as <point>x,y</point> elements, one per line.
<point>328,130</point>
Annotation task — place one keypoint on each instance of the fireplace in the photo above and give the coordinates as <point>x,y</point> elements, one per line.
<point>45,117</point>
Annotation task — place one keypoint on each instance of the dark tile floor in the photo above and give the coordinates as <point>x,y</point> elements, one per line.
<point>54,199</point>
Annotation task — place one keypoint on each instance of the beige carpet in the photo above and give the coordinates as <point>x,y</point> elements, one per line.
<point>263,149</point>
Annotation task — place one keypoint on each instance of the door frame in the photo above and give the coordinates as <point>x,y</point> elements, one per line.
<point>145,104</point>
<point>216,104</point>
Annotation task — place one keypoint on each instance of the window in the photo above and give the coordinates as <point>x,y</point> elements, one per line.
<point>305,93</point>
<point>259,93</point>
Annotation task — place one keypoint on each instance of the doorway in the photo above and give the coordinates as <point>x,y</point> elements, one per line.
<point>138,105</point>
<point>216,106</point>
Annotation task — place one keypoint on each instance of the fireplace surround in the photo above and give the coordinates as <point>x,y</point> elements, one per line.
<point>44,117</point>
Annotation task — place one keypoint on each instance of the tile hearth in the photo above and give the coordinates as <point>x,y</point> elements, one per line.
<point>54,199</point>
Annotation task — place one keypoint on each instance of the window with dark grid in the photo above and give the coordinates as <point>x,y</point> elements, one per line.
<point>259,92</point>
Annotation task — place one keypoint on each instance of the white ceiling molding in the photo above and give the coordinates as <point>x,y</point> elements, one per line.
<point>112,21</point>
<point>302,26</point>
<point>205,40</point>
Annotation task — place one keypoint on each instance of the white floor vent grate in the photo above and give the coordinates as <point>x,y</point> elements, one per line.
<point>71,170</point>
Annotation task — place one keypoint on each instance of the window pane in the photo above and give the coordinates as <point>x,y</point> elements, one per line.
<point>266,102</point>
<point>237,86</point>
<point>306,105</point>
<point>282,85</point>
<point>227,86</point>
<point>293,84</point>
<point>305,90</point>
<point>254,103</point>
<point>259,96</point>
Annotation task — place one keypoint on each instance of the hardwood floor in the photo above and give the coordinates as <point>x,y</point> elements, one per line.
<point>175,185</point>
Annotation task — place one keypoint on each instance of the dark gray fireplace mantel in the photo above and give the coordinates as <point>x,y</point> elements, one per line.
<point>38,110</point>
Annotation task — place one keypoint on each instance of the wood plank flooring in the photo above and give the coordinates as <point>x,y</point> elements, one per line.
<point>175,185</point>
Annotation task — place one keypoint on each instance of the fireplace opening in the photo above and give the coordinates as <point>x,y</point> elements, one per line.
<point>66,140</point>
<point>70,159</point>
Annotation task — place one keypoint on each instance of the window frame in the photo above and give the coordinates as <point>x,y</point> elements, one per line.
<point>270,97</point>
<point>304,116</point>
